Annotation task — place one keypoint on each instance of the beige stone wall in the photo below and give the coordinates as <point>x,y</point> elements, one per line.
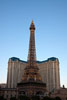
<point>50,74</point>
<point>49,71</point>
<point>15,72</point>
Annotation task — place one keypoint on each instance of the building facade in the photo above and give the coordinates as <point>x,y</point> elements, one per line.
<point>49,70</point>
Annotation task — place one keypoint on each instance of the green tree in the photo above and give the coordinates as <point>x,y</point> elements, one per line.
<point>48,98</point>
<point>57,98</point>
<point>24,98</point>
<point>13,98</point>
<point>2,98</point>
<point>35,98</point>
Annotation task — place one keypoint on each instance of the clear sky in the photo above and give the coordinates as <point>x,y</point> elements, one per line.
<point>50,18</point>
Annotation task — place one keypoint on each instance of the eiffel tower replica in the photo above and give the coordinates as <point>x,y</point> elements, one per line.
<point>31,83</point>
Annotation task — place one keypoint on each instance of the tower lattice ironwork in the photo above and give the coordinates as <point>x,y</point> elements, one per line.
<point>32,71</point>
<point>31,83</point>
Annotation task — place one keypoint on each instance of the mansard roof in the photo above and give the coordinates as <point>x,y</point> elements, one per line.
<point>49,59</point>
<point>17,59</point>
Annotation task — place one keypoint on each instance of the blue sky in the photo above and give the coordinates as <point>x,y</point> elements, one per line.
<point>50,18</point>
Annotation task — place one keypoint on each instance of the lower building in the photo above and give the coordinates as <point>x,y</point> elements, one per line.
<point>3,85</point>
<point>62,93</point>
<point>8,93</point>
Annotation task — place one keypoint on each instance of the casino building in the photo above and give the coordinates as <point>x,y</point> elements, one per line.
<point>49,69</point>
<point>31,77</point>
